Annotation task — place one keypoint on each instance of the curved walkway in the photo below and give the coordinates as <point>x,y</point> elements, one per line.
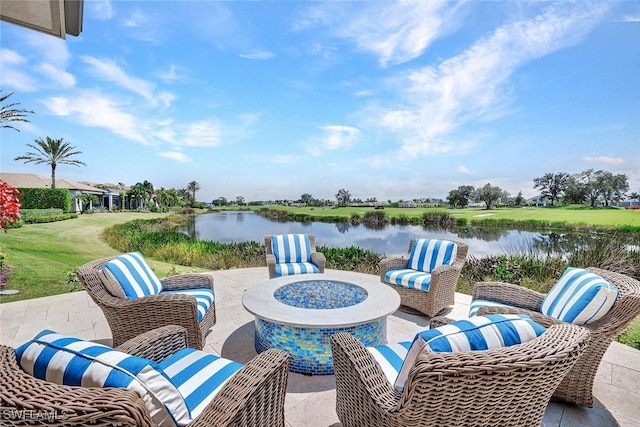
<point>311,399</point>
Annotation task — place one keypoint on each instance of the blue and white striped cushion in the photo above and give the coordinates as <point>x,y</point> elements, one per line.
<point>134,275</point>
<point>473,334</point>
<point>412,279</point>
<point>199,376</point>
<point>478,303</point>
<point>289,268</point>
<point>427,254</point>
<point>579,297</point>
<point>71,361</point>
<point>390,358</point>
<point>291,248</point>
<point>204,298</point>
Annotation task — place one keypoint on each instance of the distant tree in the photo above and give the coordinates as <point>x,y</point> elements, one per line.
<point>459,198</point>
<point>552,185</point>
<point>8,113</point>
<point>52,152</point>
<point>149,192</point>
<point>635,196</point>
<point>193,186</point>
<point>137,192</point>
<point>306,198</point>
<point>343,197</point>
<point>240,201</point>
<point>489,194</point>
<point>220,201</point>
<point>519,200</point>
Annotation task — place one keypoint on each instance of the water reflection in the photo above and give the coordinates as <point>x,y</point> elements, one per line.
<point>231,226</point>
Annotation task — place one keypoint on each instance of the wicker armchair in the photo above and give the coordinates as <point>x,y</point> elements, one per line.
<point>442,288</point>
<point>577,386</point>
<point>129,318</point>
<point>316,258</point>
<point>253,396</point>
<point>508,386</point>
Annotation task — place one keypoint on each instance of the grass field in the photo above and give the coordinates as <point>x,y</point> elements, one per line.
<point>570,214</point>
<point>45,254</point>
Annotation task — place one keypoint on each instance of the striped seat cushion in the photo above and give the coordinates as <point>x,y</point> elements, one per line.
<point>390,358</point>
<point>478,303</point>
<point>408,278</point>
<point>428,254</point>
<point>289,268</point>
<point>291,248</point>
<point>204,299</point>
<point>473,334</point>
<point>71,361</point>
<point>199,376</point>
<point>131,273</point>
<point>579,297</point>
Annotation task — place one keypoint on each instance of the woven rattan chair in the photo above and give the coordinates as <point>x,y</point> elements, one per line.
<point>129,318</point>
<point>508,386</point>
<point>577,386</point>
<point>254,396</point>
<point>317,258</point>
<point>442,288</point>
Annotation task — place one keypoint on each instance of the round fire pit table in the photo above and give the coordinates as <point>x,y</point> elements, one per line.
<point>299,313</point>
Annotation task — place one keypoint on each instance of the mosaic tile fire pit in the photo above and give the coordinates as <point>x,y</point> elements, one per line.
<point>298,314</point>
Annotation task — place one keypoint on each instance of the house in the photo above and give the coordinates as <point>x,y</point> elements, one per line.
<point>29,180</point>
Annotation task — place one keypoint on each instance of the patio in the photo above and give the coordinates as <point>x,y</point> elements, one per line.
<point>311,399</point>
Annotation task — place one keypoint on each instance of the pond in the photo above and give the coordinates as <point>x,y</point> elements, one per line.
<point>240,226</point>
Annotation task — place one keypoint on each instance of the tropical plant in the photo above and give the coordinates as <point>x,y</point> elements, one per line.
<point>10,114</point>
<point>9,205</point>
<point>52,152</point>
<point>343,197</point>
<point>192,187</point>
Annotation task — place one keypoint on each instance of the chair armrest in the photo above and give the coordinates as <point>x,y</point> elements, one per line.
<point>157,344</point>
<point>188,281</point>
<point>391,263</point>
<point>254,396</point>
<point>359,375</point>
<point>506,293</point>
<point>320,260</point>
<point>271,265</point>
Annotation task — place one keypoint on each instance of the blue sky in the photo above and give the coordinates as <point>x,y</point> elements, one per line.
<point>393,100</point>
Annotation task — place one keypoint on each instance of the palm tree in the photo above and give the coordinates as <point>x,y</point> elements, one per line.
<point>52,152</point>
<point>193,186</point>
<point>10,114</point>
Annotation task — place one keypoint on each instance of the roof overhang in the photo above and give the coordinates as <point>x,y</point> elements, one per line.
<point>54,17</point>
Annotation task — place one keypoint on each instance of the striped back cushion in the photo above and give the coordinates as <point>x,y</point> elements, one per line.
<point>133,274</point>
<point>71,361</point>
<point>291,248</point>
<point>427,254</point>
<point>579,297</point>
<point>476,333</point>
<point>199,376</point>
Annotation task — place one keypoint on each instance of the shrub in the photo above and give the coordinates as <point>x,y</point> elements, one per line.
<point>45,198</point>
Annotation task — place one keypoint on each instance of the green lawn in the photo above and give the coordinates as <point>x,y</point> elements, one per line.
<point>569,214</point>
<point>41,256</point>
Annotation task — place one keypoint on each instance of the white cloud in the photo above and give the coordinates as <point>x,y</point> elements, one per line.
<point>339,136</point>
<point>465,170</point>
<point>100,9</point>
<point>201,134</point>
<point>108,70</point>
<point>174,155</point>
<point>60,78</point>
<point>396,32</point>
<point>92,109</point>
<point>258,55</point>
<point>13,72</point>
<point>603,159</point>
<point>470,87</point>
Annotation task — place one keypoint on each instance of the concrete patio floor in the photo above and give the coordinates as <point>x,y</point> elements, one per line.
<point>311,399</point>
